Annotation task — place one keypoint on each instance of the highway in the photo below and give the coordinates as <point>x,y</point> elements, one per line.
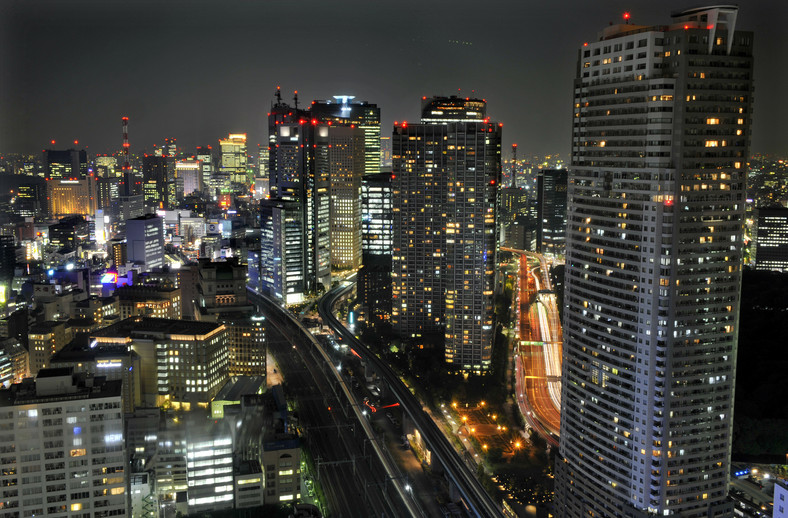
<point>339,438</point>
<point>538,353</point>
<point>476,500</point>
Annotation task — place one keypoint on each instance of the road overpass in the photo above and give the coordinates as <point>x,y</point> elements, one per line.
<point>475,498</point>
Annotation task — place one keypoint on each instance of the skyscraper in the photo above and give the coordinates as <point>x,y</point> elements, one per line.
<point>771,239</point>
<point>145,241</point>
<point>551,210</point>
<point>446,171</point>
<point>377,227</point>
<point>344,109</point>
<point>68,164</point>
<point>234,158</point>
<point>155,181</point>
<point>653,267</point>
<point>346,167</point>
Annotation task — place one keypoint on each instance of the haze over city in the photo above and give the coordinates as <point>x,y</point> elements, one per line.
<point>198,69</point>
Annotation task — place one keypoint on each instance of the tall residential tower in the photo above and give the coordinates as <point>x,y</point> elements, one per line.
<point>656,189</point>
<point>446,171</point>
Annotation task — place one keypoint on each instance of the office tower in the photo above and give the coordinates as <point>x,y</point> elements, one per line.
<point>222,297</point>
<point>377,227</point>
<point>300,173</point>
<point>7,261</point>
<point>188,177</point>
<point>170,148</point>
<point>771,239</point>
<point>163,300</point>
<point>71,196</point>
<point>107,193</point>
<point>346,167</point>
<point>106,166</point>
<point>155,182</point>
<point>512,206</point>
<point>204,155</point>
<point>70,232</point>
<point>64,451</point>
<point>281,265</point>
<point>234,158</point>
<point>551,211</point>
<point>45,339</point>
<point>68,164</point>
<point>446,171</point>
<point>183,363</point>
<point>29,200</point>
<point>344,109</point>
<point>145,241</point>
<point>385,152</point>
<point>653,267</point>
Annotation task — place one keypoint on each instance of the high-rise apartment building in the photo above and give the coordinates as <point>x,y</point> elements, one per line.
<point>656,191</point>
<point>551,211</point>
<point>145,241</point>
<point>446,171</point>
<point>771,239</point>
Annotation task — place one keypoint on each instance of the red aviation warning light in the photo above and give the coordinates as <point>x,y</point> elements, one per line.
<point>626,17</point>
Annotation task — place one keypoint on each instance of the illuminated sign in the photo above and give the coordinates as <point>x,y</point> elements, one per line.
<point>109,278</point>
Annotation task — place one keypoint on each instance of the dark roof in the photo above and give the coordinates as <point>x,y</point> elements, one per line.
<point>140,326</point>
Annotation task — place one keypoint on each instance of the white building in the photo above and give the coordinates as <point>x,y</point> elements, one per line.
<point>62,447</point>
<point>145,241</point>
<point>780,500</point>
<point>653,267</point>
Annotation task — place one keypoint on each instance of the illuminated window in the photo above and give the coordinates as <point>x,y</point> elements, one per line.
<point>712,121</point>
<point>712,143</point>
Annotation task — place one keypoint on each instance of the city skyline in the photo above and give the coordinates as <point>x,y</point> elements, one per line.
<point>197,72</point>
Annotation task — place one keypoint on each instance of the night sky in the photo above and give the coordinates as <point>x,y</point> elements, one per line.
<point>198,69</point>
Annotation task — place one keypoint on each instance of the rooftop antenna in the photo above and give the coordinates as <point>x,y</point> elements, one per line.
<point>514,164</point>
<point>278,95</point>
<point>126,165</point>
<point>295,99</point>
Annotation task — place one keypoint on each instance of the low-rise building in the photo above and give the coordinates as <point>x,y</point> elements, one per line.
<point>183,363</point>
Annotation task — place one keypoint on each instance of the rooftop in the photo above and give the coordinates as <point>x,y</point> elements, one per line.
<point>144,326</point>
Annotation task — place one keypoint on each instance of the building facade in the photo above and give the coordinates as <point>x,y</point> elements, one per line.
<point>446,172</point>
<point>771,239</point>
<point>551,210</point>
<point>63,447</point>
<point>662,117</point>
<point>145,241</point>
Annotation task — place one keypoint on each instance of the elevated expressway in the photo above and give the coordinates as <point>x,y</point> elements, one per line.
<point>539,347</point>
<point>476,500</point>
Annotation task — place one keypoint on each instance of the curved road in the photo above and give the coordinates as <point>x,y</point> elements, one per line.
<point>538,355</point>
<point>477,501</point>
<point>343,498</point>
